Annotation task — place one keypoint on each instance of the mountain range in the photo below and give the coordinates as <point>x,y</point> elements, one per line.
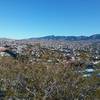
<point>69,38</point>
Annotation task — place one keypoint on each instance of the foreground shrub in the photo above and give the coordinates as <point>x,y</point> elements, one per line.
<point>44,81</point>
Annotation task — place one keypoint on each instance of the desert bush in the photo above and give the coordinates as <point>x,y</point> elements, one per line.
<point>22,80</point>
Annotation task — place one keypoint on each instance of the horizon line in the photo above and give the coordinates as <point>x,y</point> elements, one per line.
<point>47,36</point>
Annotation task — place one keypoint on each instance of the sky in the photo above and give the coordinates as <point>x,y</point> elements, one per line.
<point>36,18</point>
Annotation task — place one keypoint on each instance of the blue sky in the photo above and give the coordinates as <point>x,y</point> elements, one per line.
<point>35,18</point>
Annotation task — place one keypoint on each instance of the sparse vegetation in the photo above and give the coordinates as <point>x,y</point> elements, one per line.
<point>22,79</point>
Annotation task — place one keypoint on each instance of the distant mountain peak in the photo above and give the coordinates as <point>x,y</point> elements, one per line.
<point>69,38</point>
